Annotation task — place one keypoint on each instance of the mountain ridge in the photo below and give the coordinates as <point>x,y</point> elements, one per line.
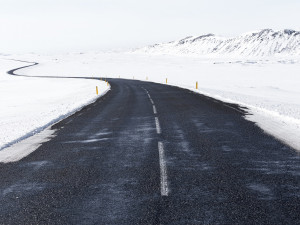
<point>262,43</point>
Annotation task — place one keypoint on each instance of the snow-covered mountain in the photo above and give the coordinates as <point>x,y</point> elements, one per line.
<point>261,43</point>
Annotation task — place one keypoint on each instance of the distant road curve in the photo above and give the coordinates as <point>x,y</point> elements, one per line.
<point>13,72</point>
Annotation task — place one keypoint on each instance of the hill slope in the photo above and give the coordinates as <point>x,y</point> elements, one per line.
<point>262,43</point>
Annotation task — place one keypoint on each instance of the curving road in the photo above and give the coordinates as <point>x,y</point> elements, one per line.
<point>148,153</point>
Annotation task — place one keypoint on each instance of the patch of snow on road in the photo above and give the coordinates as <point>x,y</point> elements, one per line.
<point>24,148</point>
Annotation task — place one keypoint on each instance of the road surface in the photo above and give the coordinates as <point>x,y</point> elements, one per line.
<point>148,153</point>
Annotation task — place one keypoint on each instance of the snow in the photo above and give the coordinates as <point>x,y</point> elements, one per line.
<point>263,43</point>
<point>29,105</point>
<point>268,88</point>
<point>22,149</point>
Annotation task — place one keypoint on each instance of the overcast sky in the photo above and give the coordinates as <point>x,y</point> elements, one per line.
<point>80,25</point>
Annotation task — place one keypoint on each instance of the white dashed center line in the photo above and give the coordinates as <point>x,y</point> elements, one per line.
<point>164,190</point>
<point>158,130</point>
<point>163,170</point>
<point>154,109</point>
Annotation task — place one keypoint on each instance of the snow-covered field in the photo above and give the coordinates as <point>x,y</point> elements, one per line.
<point>28,105</point>
<point>268,87</point>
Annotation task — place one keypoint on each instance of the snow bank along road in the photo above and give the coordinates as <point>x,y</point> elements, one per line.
<point>148,153</point>
<point>29,104</point>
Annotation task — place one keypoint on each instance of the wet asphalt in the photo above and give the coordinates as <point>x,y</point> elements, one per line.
<point>104,166</point>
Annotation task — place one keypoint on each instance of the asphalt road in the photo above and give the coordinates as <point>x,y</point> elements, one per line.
<point>148,153</point>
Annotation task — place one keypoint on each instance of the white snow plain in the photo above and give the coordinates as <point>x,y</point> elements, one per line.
<point>268,87</point>
<point>30,105</point>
